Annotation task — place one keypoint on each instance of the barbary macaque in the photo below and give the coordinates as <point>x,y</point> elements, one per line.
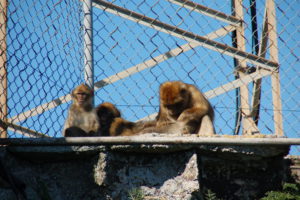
<point>107,113</point>
<point>112,124</point>
<point>82,119</point>
<point>184,104</point>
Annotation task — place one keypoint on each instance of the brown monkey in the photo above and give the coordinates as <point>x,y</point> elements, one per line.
<point>184,104</point>
<point>122,127</point>
<point>82,119</point>
<point>111,123</point>
<point>106,113</point>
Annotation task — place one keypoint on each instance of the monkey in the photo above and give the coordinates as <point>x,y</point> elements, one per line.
<point>122,127</point>
<point>184,104</point>
<point>106,113</point>
<point>82,119</point>
<point>112,124</point>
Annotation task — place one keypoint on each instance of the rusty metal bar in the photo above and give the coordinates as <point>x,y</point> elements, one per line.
<point>275,78</point>
<point>207,11</point>
<point>3,70</point>
<point>25,131</point>
<point>249,127</point>
<point>257,84</point>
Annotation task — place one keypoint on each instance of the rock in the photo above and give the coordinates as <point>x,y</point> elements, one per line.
<point>157,171</point>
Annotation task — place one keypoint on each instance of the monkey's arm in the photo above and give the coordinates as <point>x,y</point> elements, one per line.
<point>163,118</point>
<point>191,119</point>
<point>194,113</point>
<point>67,123</point>
<point>94,123</point>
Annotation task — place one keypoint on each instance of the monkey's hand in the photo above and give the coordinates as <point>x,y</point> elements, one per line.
<point>191,121</point>
<point>185,117</point>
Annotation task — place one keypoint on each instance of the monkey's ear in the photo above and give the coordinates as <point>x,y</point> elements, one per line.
<point>116,113</point>
<point>183,91</point>
<point>183,88</point>
<point>73,93</point>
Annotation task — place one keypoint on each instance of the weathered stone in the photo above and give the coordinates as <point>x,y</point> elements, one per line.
<point>294,163</point>
<point>166,175</point>
<point>165,172</point>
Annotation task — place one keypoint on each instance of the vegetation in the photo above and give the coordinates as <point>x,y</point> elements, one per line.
<point>210,195</point>
<point>290,191</point>
<point>207,195</point>
<point>135,194</point>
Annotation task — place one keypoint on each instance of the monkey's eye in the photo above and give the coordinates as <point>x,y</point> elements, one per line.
<point>81,94</point>
<point>183,92</point>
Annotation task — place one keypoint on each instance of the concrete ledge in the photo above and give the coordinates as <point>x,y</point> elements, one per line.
<point>121,140</point>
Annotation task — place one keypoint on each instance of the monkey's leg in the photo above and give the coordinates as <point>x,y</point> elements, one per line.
<point>75,132</point>
<point>206,127</point>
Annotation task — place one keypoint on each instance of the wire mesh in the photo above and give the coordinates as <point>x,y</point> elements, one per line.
<point>137,45</point>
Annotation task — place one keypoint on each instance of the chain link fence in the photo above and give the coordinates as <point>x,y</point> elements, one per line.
<point>227,49</point>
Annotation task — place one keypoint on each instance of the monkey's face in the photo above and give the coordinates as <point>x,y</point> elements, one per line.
<point>106,112</point>
<point>105,116</point>
<point>174,97</point>
<point>82,95</point>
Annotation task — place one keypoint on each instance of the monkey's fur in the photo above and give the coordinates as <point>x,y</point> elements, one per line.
<point>82,119</point>
<point>106,113</point>
<point>183,104</point>
<point>112,124</point>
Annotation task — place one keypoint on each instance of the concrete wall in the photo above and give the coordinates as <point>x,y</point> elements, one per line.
<point>174,172</point>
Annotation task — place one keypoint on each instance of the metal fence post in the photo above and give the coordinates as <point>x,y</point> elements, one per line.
<point>88,43</point>
<point>249,127</point>
<point>271,16</point>
<point>3,71</point>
